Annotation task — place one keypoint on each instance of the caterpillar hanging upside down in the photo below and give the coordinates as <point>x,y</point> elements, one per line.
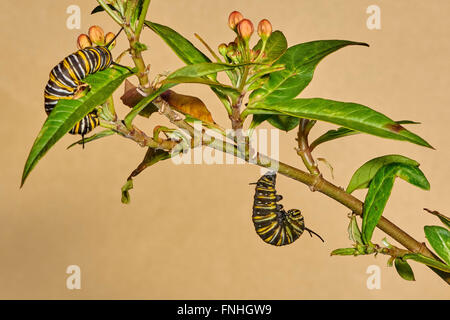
<point>66,77</point>
<point>272,223</point>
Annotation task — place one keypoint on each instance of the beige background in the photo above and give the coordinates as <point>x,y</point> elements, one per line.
<point>187,233</point>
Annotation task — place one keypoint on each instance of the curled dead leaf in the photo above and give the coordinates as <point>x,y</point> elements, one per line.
<point>188,105</point>
<point>133,96</point>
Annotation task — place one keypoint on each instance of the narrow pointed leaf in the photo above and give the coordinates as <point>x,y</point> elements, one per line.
<point>380,189</point>
<point>375,202</point>
<point>344,252</point>
<point>182,47</point>
<point>300,62</point>
<point>68,112</point>
<point>362,177</point>
<point>444,219</point>
<point>350,115</point>
<point>229,90</point>
<point>344,132</point>
<point>404,269</point>
<point>427,261</point>
<point>101,9</point>
<point>439,239</point>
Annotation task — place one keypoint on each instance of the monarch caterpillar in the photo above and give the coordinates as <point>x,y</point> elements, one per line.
<point>65,81</point>
<point>272,223</point>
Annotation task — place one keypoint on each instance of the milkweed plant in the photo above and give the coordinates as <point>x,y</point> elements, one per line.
<point>264,77</point>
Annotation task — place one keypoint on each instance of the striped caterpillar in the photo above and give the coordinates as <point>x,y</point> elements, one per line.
<point>272,223</point>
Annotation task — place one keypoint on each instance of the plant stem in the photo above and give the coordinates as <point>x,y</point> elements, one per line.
<point>315,182</point>
<point>235,117</point>
<point>133,39</point>
<point>111,12</point>
<point>303,149</point>
<point>137,135</point>
<point>318,183</point>
<point>140,25</point>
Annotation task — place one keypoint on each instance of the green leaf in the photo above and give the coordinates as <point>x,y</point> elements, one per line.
<point>276,45</point>
<point>68,112</point>
<point>285,123</point>
<point>344,132</point>
<point>444,219</point>
<point>100,9</point>
<point>344,252</point>
<point>380,189</point>
<point>404,269</point>
<point>101,134</point>
<point>427,261</point>
<point>182,47</point>
<point>187,52</point>
<point>125,191</point>
<point>439,239</point>
<point>362,177</point>
<point>300,62</point>
<point>229,90</point>
<point>350,115</point>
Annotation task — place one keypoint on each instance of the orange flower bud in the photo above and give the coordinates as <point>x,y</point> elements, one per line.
<point>245,29</point>
<point>109,36</point>
<point>234,18</point>
<point>264,29</point>
<point>97,35</point>
<point>83,41</point>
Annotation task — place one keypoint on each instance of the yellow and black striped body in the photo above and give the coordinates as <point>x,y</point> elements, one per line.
<point>66,78</point>
<point>272,223</point>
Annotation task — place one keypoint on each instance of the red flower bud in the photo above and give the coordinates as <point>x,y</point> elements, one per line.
<point>83,41</point>
<point>234,18</point>
<point>264,29</point>
<point>245,29</point>
<point>97,35</point>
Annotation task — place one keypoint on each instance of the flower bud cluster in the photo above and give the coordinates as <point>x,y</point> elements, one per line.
<point>96,36</point>
<point>238,51</point>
